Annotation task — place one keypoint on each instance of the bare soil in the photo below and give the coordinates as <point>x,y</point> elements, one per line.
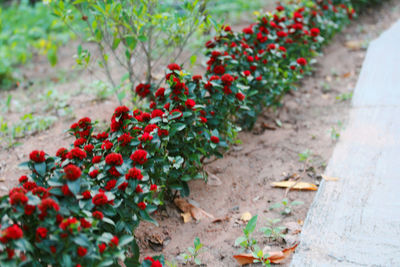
<point>311,118</point>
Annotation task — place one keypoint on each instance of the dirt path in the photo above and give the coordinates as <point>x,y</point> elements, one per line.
<point>311,119</point>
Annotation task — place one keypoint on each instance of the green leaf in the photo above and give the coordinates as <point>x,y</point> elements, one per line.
<point>125,240</point>
<point>74,186</point>
<point>108,220</point>
<point>240,240</point>
<point>41,168</point>
<point>24,165</point>
<point>251,225</point>
<point>52,56</point>
<point>193,59</point>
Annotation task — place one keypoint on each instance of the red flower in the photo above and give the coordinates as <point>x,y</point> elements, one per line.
<point>65,190</point>
<point>53,249</point>
<point>96,159</point>
<point>40,192</point>
<point>142,205</point>
<point>162,132</point>
<point>23,179</point>
<point>143,89</point>
<point>100,199</point>
<point>190,103</point>
<point>88,148</point>
<point>29,209</point>
<point>29,185</point>
<point>76,153</point>
<point>280,8</point>
<point>68,223</point>
<point>102,247</point>
<point>138,189</point>
<point>196,77</point>
<point>174,66</point>
<point>149,128</point>
<point>125,139</point>
<point>110,184</point>
<point>14,232</point>
<point>160,92</point>
<point>139,156</point>
<point>114,172</point>
<point>314,32</point>
<point>86,194</point>
<point>157,113</point>
<point>214,139</point>
<point>94,173</point>
<point>248,30</point>
<point>18,198</point>
<point>134,173</point>
<point>240,96</point>
<point>10,253</point>
<point>123,186</point>
<point>246,73</point>
<point>41,233</point>
<point>72,172</point>
<point>219,69</point>
<point>114,159</point>
<point>227,79</point>
<point>302,61</point>
<point>79,142</point>
<point>37,156</point>
<point>153,187</point>
<point>81,251</point>
<point>145,137</point>
<point>106,145</point>
<point>85,223</point>
<point>48,203</point>
<point>98,215</point>
<point>203,119</point>
<point>114,242</point>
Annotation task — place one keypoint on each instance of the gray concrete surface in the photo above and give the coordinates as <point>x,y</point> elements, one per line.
<point>356,221</point>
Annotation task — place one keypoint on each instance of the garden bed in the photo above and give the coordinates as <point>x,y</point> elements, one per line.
<point>309,120</point>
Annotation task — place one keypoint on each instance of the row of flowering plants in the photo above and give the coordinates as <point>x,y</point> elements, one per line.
<point>81,206</point>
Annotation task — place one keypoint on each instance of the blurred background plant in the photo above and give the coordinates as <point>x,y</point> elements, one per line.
<point>26,29</point>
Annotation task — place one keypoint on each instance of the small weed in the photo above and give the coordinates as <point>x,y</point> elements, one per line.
<point>27,125</point>
<point>325,87</point>
<point>272,231</point>
<point>305,156</point>
<point>335,131</point>
<point>249,243</point>
<point>193,252</point>
<point>286,206</point>
<point>344,97</point>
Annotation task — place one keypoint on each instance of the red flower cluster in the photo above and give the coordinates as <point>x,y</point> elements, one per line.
<point>114,159</point>
<point>72,172</point>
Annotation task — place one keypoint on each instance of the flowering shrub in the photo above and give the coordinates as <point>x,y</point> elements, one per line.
<point>81,206</point>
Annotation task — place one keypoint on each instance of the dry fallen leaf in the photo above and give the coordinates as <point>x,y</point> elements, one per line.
<point>246,216</point>
<point>268,126</point>
<point>295,185</point>
<point>244,258</point>
<point>187,217</point>
<point>354,44</point>
<point>221,219</point>
<point>274,256</point>
<point>2,179</point>
<point>279,256</point>
<point>346,75</point>
<point>188,208</point>
<point>327,178</point>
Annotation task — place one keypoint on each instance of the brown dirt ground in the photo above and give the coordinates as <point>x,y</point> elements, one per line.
<point>307,118</point>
